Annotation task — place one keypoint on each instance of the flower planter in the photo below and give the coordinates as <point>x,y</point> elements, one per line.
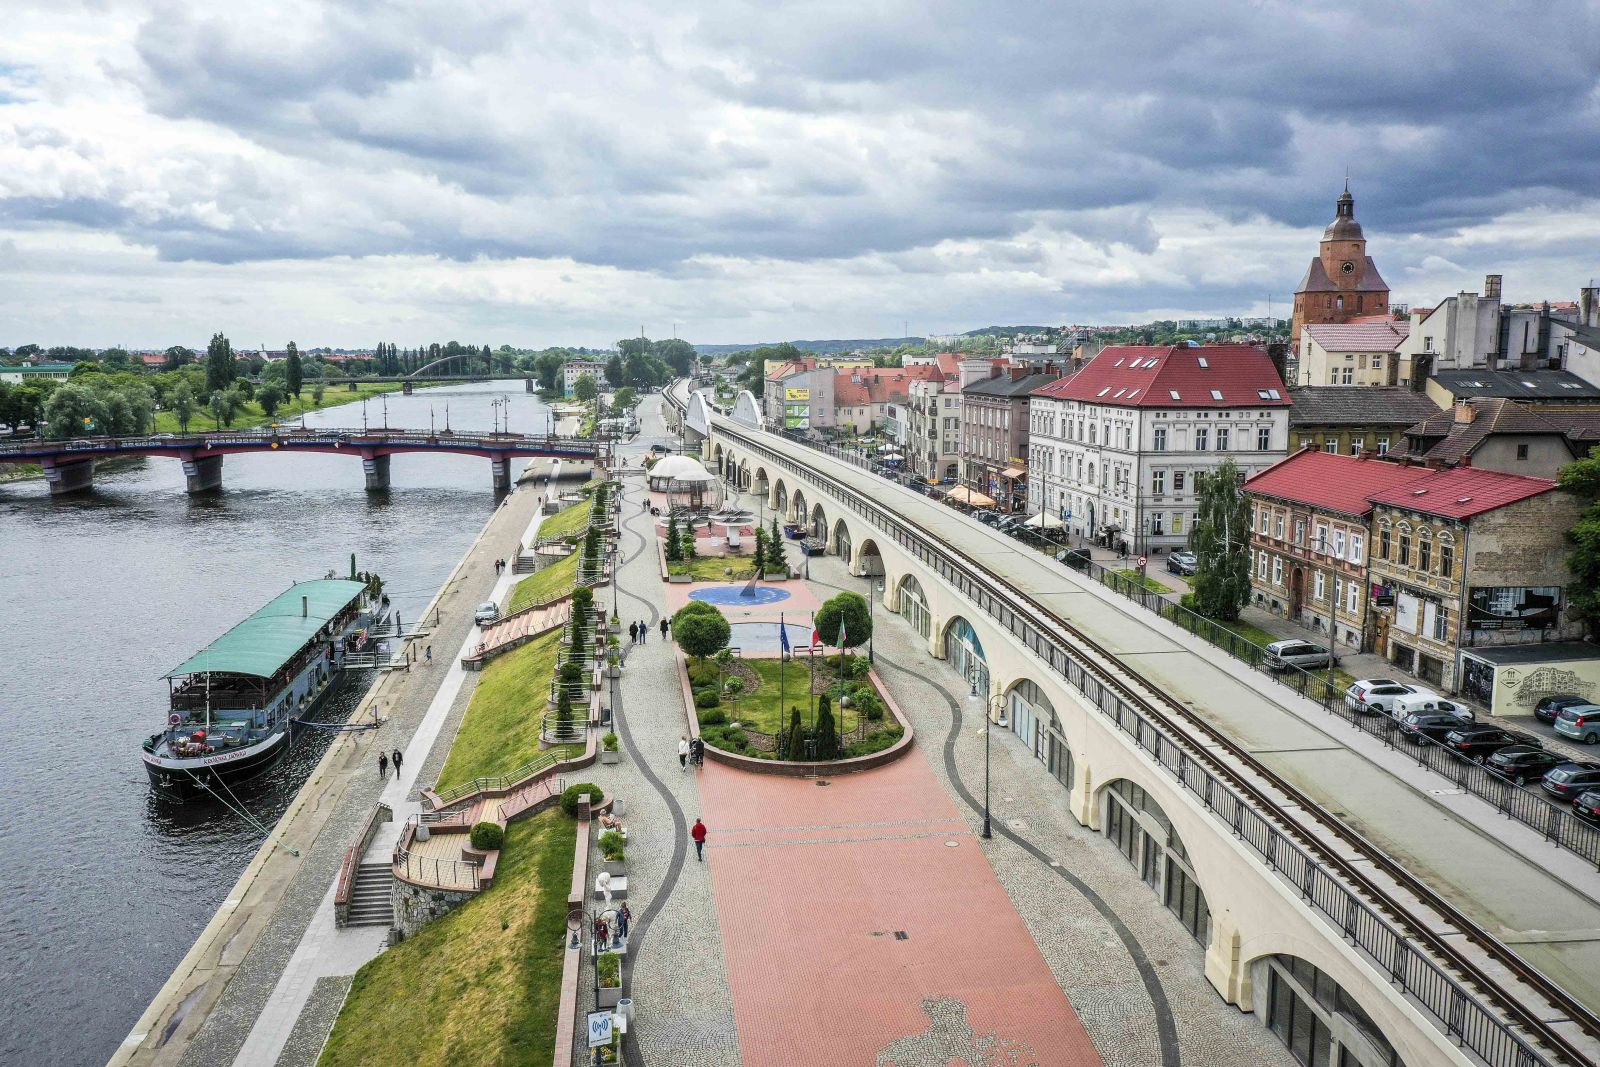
<point>616,868</point>
<point>608,756</point>
<point>607,996</point>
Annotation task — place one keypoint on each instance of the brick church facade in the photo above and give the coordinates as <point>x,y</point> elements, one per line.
<point>1342,283</point>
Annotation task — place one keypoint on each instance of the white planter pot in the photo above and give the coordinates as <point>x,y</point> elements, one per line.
<point>608,756</point>
<point>608,996</point>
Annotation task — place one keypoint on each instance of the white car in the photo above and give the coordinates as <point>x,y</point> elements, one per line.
<point>487,612</point>
<point>1373,696</point>
<point>1426,703</point>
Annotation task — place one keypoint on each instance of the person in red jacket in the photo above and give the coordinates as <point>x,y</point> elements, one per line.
<point>699,835</point>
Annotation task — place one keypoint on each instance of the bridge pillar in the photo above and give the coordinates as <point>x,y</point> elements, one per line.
<point>73,476</point>
<point>502,474</point>
<point>377,468</point>
<point>204,474</point>
<point>408,388</point>
<point>1225,969</point>
<point>528,386</point>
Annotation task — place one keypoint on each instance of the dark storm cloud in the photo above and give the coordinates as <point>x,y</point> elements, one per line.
<point>830,130</point>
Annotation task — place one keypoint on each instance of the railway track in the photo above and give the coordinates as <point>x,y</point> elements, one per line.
<point>1453,1000</point>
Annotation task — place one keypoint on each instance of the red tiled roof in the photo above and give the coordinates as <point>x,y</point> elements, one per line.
<point>1462,492</point>
<point>879,385</point>
<point>1326,480</point>
<point>1174,376</point>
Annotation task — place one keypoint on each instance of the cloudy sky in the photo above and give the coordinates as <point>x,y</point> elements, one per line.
<point>503,172</point>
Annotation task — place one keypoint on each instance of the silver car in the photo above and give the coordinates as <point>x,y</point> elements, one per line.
<point>487,612</point>
<point>1281,655</point>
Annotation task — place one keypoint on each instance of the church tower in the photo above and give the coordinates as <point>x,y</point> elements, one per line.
<point>1342,283</point>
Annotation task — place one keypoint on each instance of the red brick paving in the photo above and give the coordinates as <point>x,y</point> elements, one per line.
<point>811,883</point>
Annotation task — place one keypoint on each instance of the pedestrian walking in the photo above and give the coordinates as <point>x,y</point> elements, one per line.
<point>699,835</point>
<point>644,631</point>
<point>633,633</point>
<point>683,754</point>
<point>624,918</point>
<point>397,760</point>
<point>697,752</point>
<point>663,629</point>
<point>429,653</point>
<point>383,765</point>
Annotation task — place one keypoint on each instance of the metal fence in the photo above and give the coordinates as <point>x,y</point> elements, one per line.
<point>1457,1007</point>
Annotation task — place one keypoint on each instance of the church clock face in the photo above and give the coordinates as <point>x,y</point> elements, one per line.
<point>1347,267</point>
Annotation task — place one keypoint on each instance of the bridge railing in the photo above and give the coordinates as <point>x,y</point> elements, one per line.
<point>288,436</point>
<point>1457,1007</point>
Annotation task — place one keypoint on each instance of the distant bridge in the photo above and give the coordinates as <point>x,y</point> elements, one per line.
<point>69,465</point>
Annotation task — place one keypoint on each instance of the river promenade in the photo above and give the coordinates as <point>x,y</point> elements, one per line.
<point>271,952</point>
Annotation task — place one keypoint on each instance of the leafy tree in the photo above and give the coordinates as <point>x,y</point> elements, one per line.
<point>850,609</point>
<point>293,371</point>
<point>316,393</point>
<point>585,389</point>
<point>74,411</point>
<point>614,371</point>
<point>269,397</point>
<point>625,400</point>
<point>1582,479</point>
<point>676,354</point>
<point>686,540</point>
<point>1220,540</point>
<point>221,368</point>
<point>701,634</point>
<point>182,405</point>
<point>777,559</point>
<point>674,549</point>
<point>83,367</point>
<point>761,554</point>
<point>796,746</point>
<point>827,735</point>
<point>547,368</point>
<point>225,404</point>
<point>115,358</point>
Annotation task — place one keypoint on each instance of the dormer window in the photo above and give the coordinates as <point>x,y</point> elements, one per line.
<point>1216,394</point>
<point>1203,364</point>
<point>1174,394</point>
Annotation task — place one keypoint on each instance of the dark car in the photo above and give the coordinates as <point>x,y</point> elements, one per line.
<point>1521,763</point>
<point>1548,708</point>
<point>1182,563</point>
<point>1076,558</point>
<point>1433,725</point>
<point>1567,780</point>
<point>1587,806</point>
<point>1479,742</point>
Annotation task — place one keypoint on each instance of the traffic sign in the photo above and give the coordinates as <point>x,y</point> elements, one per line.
<point>1142,562</point>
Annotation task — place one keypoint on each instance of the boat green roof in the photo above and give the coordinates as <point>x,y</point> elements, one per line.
<point>261,644</point>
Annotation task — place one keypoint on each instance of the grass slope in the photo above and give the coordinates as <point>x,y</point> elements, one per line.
<point>568,522</point>
<point>479,986</point>
<point>500,731</point>
<point>558,579</point>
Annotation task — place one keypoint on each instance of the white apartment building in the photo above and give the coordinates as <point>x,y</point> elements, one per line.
<point>1116,450</point>
<point>933,430</point>
<point>572,371</point>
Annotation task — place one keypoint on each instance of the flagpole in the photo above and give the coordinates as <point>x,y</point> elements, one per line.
<point>783,672</point>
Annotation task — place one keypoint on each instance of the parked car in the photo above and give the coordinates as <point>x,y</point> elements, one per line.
<point>1434,725</point>
<point>1182,563</point>
<point>1281,655</point>
<point>1373,696</point>
<point>1587,806</point>
<point>987,517</point>
<point>1521,763</point>
<point>487,612</point>
<point>1548,708</point>
<point>1076,558</point>
<point>1567,780</point>
<point>1581,722</point>
<point>1425,703</point>
<point>1480,742</point>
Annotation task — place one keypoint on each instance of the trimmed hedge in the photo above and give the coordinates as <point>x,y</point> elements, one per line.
<point>706,698</point>
<point>714,717</point>
<point>569,798</point>
<point>488,837</point>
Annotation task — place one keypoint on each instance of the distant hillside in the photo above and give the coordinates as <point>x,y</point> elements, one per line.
<point>822,348</point>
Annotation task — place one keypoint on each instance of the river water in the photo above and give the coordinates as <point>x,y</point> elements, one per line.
<point>102,887</point>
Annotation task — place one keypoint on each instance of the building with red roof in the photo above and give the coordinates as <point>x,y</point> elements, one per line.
<point>1116,450</point>
<point>1415,563</point>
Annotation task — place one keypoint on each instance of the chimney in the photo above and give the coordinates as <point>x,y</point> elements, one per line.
<point>1465,413</point>
<point>305,607</point>
<point>1019,370</point>
<point>1491,287</point>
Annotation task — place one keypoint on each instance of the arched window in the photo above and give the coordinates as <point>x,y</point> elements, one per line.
<point>914,606</point>
<point>1030,713</point>
<point>1316,1019</point>
<point>1142,832</point>
<point>841,535</point>
<point>965,653</point>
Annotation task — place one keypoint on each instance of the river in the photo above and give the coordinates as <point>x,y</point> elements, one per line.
<point>102,887</point>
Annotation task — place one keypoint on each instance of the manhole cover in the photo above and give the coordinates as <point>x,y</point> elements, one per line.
<point>1019,824</point>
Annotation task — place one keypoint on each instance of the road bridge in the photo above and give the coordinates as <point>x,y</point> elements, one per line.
<point>69,465</point>
<point>1438,932</point>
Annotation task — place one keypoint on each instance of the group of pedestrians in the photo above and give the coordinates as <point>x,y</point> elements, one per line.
<point>384,759</point>
<point>639,631</point>
<point>499,566</point>
<point>691,752</point>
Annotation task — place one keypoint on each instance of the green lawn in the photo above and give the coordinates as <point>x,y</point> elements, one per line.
<point>715,568</point>
<point>500,731</point>
<point>480,985</point>
<point>568,522</point>
<point>763,710</point>
<point>252,415</point>
<point>1147,582</point>
<point>558,579</point>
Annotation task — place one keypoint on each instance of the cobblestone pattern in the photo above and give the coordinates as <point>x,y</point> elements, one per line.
<point>1087,957</point>
<point>683,1015</point>
<point>311,1031</point>
<point>221,1036</point>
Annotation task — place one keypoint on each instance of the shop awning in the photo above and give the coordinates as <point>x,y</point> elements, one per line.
<point>1013,473</point>
<point>962,495</point>
<point>1043,521</point>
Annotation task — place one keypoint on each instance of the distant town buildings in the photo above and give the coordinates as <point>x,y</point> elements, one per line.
<point>577,368</point>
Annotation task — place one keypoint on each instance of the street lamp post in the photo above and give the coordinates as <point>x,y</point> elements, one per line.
<point>987,832</point>
<point>874,587</point>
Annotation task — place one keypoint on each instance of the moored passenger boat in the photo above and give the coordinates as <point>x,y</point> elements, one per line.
<point>234,704</point>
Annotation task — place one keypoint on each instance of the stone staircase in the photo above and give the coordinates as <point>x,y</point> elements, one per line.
<point>516,630</point>
<point>369,897</point>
